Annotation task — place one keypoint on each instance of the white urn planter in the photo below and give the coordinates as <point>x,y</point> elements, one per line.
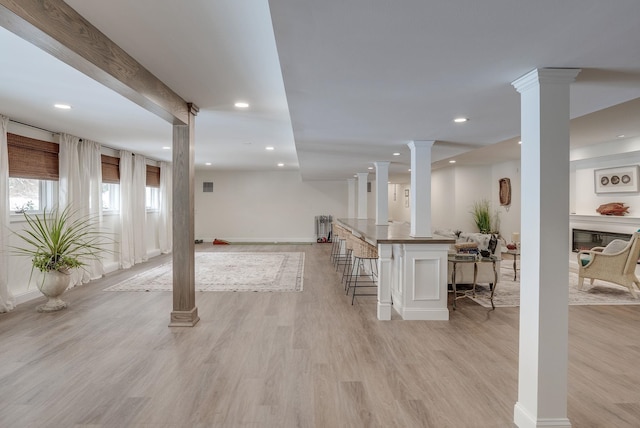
<point>52,286</point>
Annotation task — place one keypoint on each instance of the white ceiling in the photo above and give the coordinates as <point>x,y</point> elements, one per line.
<point>349,83</point>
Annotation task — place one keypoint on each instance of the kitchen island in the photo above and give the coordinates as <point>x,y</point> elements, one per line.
<point>412,272</point>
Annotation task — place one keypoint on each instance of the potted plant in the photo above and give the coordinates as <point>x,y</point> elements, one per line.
<point>58,243</point>
<point>483,218</point>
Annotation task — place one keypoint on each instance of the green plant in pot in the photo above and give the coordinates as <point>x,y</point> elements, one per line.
<point>59,242</point>
<point>485,220</point>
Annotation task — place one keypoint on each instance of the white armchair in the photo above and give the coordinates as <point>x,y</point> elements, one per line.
<point>614,263</point>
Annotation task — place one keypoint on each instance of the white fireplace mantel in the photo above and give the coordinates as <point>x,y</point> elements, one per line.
<point>606,223</point>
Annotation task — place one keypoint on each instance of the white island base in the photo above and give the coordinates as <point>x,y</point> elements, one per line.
<point>412,272</point>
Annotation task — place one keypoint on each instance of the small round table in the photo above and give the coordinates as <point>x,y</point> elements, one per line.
<point>456,260</point>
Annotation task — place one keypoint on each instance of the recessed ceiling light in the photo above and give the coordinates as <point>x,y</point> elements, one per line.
<point>519,142</point>
<point>452,161</point>
<point>460,119</point>
<point>207,163</point>
<point>370,167</point>
<point>166,148</point>
<point>621,136</point>
<point>241,104</point>
<point>396,154</point>
<point>62,106</point>
<point>280,164</point>
<point>409,170</point>
<point>270,148</point>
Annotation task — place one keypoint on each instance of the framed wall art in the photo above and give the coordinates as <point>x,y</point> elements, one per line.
<point>622,179</point>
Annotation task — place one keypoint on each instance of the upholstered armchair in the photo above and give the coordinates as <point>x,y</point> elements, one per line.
<point>614,263</point>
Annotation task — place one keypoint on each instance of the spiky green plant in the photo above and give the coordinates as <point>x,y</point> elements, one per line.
<point>484,220</point>
<point>60,240</point>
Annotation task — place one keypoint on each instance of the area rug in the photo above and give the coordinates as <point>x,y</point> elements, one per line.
<point>600,293</point>
<point>221,271</point>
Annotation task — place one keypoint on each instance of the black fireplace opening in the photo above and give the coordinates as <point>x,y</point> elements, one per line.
<point>587,239</point>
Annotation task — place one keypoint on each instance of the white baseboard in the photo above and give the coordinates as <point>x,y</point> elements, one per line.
<point>153,253</point>
<point>268,240</point>
<point>111,267</point>
<point>28,296</point>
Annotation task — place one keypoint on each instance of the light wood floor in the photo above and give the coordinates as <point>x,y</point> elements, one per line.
<point>306,359</point>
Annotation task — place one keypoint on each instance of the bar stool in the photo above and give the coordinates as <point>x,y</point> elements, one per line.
<point>337,244</point>
<point>363,252</point>
<point>342,255</point>
<point>347,269</point>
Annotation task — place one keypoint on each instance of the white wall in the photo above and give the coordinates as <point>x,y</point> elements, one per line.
<point>585,160</point>
<point>272,206</point>
<point>454,190</point>
<point>509,215</point>
<point>398,209</point>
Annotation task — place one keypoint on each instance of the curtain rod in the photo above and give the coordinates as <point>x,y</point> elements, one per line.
<point>33,126</point>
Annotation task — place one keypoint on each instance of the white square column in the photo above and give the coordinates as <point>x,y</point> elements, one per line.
<point>351,198</point>
<point>362,195</point>
<point>543,356</point>
<point>382,193</point>
<point>420,200</point>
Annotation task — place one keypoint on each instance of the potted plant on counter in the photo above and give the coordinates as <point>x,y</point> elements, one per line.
<point>58,243</point>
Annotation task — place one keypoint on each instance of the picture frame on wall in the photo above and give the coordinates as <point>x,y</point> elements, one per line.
<point>623,179</point>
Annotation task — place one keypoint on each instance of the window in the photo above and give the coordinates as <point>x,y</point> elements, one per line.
<point>110,197</point>
<point>31,195</point>
<point>153,188</point>
<point>152,198</point>
<point>33,174</point>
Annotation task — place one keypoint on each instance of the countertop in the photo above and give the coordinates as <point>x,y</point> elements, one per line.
<point>394,233</point>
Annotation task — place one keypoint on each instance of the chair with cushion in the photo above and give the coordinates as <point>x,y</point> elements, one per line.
<point>614,263</point>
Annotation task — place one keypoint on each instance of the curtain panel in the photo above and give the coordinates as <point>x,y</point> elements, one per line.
<point>7,301</point>
<point>91,199</point>
<point>126,210</point>
<point>165,234</point>
<point>80,187</point>
<point>133,177</point>
<point>139,208</point>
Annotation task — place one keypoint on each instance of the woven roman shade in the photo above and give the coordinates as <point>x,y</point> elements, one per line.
<point>110,169</point>
<point>153,176</point>
<point>31,158</point>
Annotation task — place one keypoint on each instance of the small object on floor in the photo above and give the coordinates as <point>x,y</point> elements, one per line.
<point>199,241</point>
<point>217,241</point>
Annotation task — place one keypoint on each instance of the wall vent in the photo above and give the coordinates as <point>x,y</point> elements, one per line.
<point>207,187</point>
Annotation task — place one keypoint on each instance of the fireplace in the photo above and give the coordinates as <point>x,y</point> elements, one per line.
<point>586,239</point>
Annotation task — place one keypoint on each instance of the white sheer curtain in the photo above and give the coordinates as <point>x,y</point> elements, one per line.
<point>91,189</point>
<point>6,299</point>
<point>133,180</point>
<point>69,172</point>
<point>165,234</point>
<point>139,208</point>
<point>80,181</point>
<point>126,210</point>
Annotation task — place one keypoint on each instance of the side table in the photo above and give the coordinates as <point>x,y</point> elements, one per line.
<point>514,254</point>
<point>456,260</point>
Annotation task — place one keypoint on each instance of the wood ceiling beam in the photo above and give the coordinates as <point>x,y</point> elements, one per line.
<point>56,28</point>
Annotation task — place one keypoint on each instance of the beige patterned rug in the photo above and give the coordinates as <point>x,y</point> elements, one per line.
<point>221,271</point>
<point>600,293</point>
